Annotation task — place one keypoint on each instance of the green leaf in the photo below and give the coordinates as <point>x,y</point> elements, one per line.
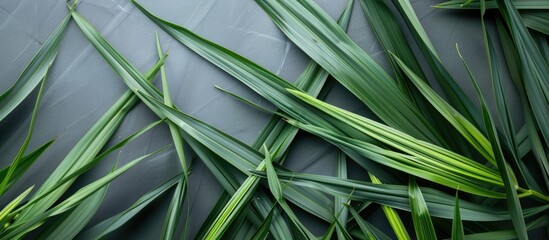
<point>35,71</point>
<point>121,218</point>
<point>455,95</point>
<point>535,71</point>
<point>263,230</point>
<point>396,196</point>
<point>513,202</point>
<point>72,222</point>
<point>393,217</point>
<point>475,4</point>
<point>366,230</point>
<point>19,156</point>
<point>274,184</point>
<point>425,160</point>
<point>330,47</point>
<point>172,216</point>
<point>468,130</point>
<point>420,213</point>
<point>537,20</point>
<point>83,152</point>
<point>24,164</point>
<point>457,225</point>
<point>23,226</point>
<point>4,213</point>
<point>265,83</point>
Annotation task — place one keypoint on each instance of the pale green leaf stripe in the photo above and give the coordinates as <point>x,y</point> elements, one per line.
<point>233,207</point>
<point>409,164</point>
<point>393,217</point>
<point>12,205</point>
<point>420,213</point>
<point>35,71</point>
<point>457,225</point>
<point>438,161</point>
<point>24,226</point>
<point>396,196</point>
<point>311,29</point>
<point>475,4</point>
<point>119,219</point>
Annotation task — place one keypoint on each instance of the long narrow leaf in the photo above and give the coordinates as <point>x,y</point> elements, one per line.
<point>35,71</point>
<point>420,213</point>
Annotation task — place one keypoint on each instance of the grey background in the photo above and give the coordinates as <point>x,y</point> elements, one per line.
<point>81,87</point>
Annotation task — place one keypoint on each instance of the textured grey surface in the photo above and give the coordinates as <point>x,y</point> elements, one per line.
<point>81,86</point>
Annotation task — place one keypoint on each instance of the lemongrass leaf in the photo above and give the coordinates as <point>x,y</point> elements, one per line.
<point>35,71</point>
<point>510,187</point>
<point>23,226</point>
<point>396,196</point>
<point>19,156</point>
<point>420,213</point>
<point>116,221</point>
<point>457,225</point>
<point>392,216</point>
<point>24,164</point>
<point>12,205</point>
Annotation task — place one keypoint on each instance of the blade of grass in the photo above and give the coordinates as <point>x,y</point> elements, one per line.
<point>437,164</point>
<point>24,164</point>
<point>261,81</point>
<point>396,196</point>
<point>539,222</point>
<point>420,213</point>
<point>72,222</point>
<point>392,217</point>
<point>84,151</point>
<point>456,96</point>
<point>106,226</point>
<point>513,64</point>
<point>339,209</point>
<point>263,230</point>
<point>366,230</point>
<point>491,4</point>
<point>23,148</point>
<point>468,130</point>
<point>535,71</point>
<point>513,202</point>
<point>22,227</point>
<point>537,20</point>
<point>35,71</point>
<point>12,206</point>
<point>172,216</point>
<point>311,29</point>
<point>457,225</point>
